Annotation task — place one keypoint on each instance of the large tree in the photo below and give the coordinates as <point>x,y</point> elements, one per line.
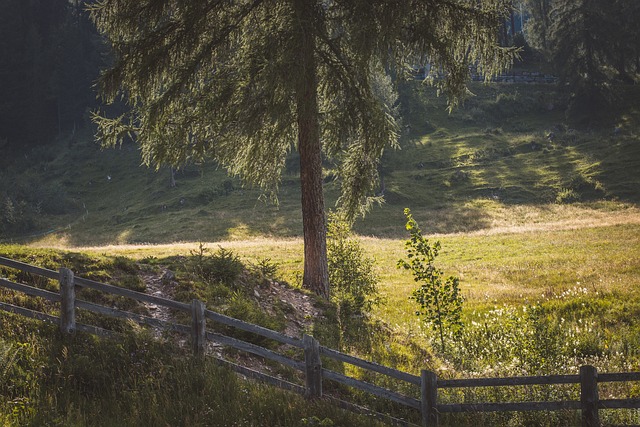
<point>246,81</point>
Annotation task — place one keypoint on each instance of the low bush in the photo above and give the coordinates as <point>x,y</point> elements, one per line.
<point>221,266</point>
<point>354,284</point>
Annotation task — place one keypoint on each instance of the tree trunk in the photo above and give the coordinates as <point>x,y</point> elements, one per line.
<point>513,23</point>
<point>172,179</point>
<point>316,270</point>
<point>589,55</point>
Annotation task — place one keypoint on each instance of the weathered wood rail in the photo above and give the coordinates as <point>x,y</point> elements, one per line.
<point>426,385</point>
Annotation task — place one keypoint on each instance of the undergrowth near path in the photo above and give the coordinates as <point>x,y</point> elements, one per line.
<point>536,303</point>
<point>141,379</point>
<point>136,381</point>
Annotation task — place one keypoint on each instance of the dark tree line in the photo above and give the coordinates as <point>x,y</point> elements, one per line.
<point>591,45</point>
<point>49,59</point>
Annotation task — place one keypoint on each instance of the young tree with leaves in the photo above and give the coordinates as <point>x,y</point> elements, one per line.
<point>244,82</point>
<point>439,298</point>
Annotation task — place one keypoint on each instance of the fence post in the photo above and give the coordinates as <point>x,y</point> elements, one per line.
<point>589,396</point>
<point>198,327</point>
<point>429,395</point>
<point>313,367</point>
<point>67,302</point>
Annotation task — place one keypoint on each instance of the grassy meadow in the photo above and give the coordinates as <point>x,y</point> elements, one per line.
<point>506,158</point>
<point>540,221</point>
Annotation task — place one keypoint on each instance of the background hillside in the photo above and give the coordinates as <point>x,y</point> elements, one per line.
<point>488,164</point>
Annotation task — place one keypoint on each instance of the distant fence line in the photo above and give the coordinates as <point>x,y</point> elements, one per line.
<point>522,77</point>
<point>315,374</point>
<point>530,77</point>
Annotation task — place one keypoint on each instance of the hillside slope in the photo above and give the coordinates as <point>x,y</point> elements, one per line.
<point>493,162</point>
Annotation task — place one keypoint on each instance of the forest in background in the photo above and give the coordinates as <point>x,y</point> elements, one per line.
<point>51,55</point>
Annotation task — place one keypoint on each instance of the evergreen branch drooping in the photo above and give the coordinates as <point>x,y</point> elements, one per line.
<point>245,82</point>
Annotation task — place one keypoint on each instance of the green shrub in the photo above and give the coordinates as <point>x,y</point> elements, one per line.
<point>125,264</point>
<point>567,195</point>
<point>439,300</point>
<point>222,266</point>
<point>17,216</point>
<point>354,284</point>
<point>243,308</point>
<point>266,268</point>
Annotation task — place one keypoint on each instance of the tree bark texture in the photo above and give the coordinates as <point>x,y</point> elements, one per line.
<point>316,270</point>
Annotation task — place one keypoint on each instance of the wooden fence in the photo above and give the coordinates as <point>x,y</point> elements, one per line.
<point>426,385</point>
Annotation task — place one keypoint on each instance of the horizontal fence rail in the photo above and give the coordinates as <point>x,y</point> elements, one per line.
<point>128,293</point>
<point>426,386</point>
<point>248,327</point>
<point>509,381</point>
<point>28,268</point>
<point>508,407</point>
<point>371,366</point>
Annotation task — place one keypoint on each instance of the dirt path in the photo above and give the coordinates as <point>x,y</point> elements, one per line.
<point>509,220</point>
<point>299,308</point>
<point>159,284</point>
<point>162,283</point>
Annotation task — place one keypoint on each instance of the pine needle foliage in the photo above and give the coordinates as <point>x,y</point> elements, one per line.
<point>593,45</point>
<point>214,79</point>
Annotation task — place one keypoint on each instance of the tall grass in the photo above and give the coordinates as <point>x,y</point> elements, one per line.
<point>137,381</point>
<point>538,302</point>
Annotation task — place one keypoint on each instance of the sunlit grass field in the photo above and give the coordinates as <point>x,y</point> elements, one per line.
<point>532,255</point>
<point>504,156</point>
<point>577,274</point>
<point>539,221</point>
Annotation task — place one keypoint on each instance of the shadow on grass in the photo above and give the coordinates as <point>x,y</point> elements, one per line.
<point>501,146</point>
